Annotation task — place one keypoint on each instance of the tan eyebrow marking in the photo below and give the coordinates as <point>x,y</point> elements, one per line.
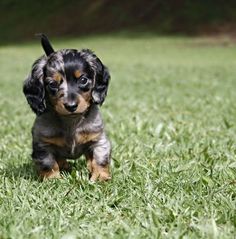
<point>57,77</point>
<point>77,73</point>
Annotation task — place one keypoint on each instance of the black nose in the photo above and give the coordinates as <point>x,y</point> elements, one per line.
<point>71,107</point>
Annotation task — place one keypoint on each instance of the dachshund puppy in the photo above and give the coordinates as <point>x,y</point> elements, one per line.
<point>64,90</point>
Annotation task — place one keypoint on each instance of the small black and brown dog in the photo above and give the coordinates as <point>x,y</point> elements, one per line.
<point>64,89</point>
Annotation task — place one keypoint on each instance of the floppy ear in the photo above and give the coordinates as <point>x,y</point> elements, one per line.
<point>33,87</point>
<point>101,83</point>
<point>102,76</point>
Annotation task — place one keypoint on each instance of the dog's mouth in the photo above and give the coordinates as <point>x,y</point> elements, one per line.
<point>71,109</point>
<point>70,115</point>
<point>74,114</point>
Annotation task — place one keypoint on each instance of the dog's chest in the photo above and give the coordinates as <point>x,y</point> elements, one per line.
<point>71,145</point>
<point>70,149</point>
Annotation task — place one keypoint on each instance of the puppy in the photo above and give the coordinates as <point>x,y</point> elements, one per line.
<point>64,90</point>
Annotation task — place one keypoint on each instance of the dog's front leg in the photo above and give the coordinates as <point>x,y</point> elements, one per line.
<point>98,160</point>
<point>46,165</point>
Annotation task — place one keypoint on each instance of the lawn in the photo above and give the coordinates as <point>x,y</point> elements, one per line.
<point>171,116</point>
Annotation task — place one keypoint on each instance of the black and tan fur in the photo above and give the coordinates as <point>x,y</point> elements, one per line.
<point>64,89</point>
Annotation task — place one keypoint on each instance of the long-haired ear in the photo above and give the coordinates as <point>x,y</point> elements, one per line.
<point>47,47</point>
<point>101,84</point>
<point>102,76</point>
<point>33,87</point>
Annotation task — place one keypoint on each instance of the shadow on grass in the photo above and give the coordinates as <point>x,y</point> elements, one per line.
<point>25,171</point>
<point>28,171</point>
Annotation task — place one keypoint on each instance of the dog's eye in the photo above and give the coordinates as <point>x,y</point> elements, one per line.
<point>53,86</point>
<point>83,81</point>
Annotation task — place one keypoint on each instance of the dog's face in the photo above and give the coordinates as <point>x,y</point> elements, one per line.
<point>68,81</point>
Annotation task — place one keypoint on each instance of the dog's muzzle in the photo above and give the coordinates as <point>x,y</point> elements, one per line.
<point>71,107</point>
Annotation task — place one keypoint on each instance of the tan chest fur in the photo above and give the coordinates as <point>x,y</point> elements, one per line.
<point>80,138</point>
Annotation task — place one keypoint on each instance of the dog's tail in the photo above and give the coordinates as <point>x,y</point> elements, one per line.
<point>47,47</point>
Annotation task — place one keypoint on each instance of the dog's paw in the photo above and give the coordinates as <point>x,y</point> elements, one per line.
<point>100,176</point>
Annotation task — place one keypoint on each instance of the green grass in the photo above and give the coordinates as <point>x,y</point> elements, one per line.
<point>170,115</point>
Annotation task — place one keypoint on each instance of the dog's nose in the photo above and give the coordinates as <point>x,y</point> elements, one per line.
<point>71,107</point>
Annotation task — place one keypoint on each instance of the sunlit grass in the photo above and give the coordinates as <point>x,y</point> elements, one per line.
<point>170,114</point>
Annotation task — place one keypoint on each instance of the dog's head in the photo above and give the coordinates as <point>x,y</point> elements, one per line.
<point>68,81</point>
